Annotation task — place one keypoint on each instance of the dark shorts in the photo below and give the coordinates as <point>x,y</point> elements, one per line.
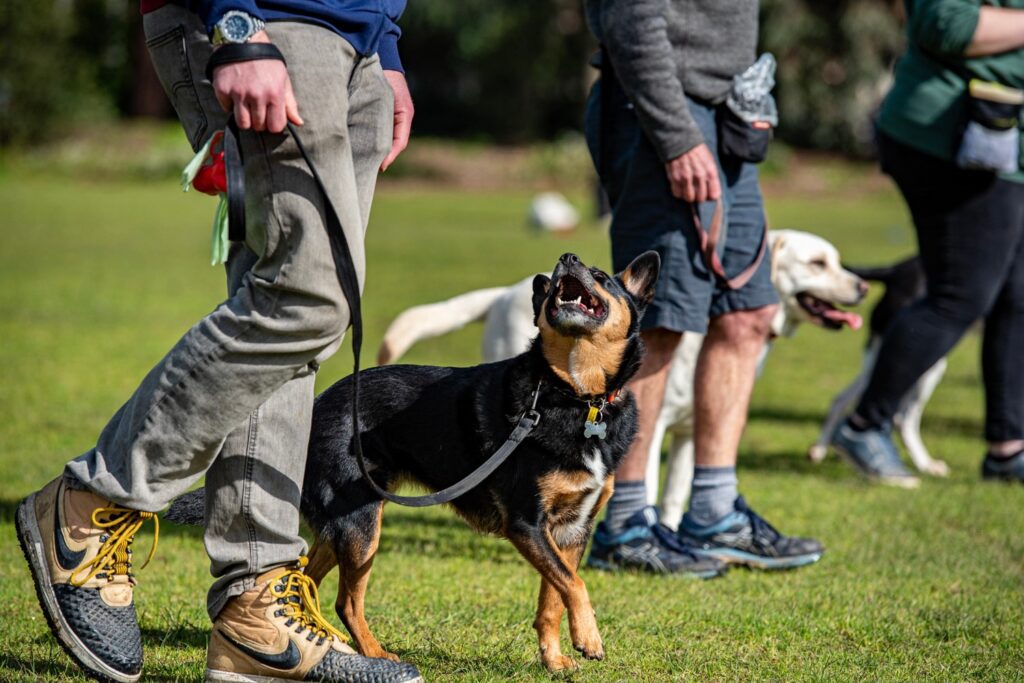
<point>645,216</point>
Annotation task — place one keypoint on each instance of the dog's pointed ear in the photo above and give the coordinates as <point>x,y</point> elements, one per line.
<point>541,287</point>
<point>640,277</point>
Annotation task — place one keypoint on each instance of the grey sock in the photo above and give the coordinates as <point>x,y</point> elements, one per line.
<point>629,496</point>
<point>714,494</point>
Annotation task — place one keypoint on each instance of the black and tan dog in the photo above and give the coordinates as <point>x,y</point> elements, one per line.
<point>435,425</point>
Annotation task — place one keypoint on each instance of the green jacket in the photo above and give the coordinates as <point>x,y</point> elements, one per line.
<point>927,106</point>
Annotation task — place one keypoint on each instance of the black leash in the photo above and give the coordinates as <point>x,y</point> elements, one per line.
<point>344,266</point>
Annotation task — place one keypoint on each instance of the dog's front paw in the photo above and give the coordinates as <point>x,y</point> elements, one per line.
<point>817,452</point>
<point>560,662</point>
<point>936,468</point>
<point>590,646</point>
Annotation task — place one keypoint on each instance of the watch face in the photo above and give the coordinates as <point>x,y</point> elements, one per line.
<point>236,27</point>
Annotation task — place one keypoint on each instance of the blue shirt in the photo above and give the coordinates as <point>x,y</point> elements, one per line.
<point>369,25</point>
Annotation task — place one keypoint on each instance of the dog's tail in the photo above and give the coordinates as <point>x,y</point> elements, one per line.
<point>885,274</point>
<point>188,509</point>
<point>433,320</point>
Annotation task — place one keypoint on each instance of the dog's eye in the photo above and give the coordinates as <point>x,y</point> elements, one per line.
<point>819,263</point>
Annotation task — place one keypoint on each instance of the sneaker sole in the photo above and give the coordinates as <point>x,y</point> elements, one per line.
<point>216,676</point>
<point>611,567</point>
<point>908,482</point>
<point>733,556</point>
<point>31,542</point>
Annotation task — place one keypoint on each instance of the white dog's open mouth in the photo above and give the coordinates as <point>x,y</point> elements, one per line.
<point>825,314</point>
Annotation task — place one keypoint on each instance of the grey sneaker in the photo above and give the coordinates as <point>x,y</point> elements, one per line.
<point>873,453</point>
<point>644,544</point>
<point>745,537</point>
<point>1005,469</point>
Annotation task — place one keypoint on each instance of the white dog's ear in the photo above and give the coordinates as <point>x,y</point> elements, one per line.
<point>541,287</point>
<point>776,242</point>
<point>640,277</point>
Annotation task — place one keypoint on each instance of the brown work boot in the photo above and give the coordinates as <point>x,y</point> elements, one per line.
<point>78,548</point>
<point>275,632</point>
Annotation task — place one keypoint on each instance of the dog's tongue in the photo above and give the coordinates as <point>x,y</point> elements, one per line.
<point>844,318</point>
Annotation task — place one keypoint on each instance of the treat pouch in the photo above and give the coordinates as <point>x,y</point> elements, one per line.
<point>991,138</point>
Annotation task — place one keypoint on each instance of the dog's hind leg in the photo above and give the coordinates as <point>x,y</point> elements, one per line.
<point>842,404</point>
<point>909,421</point>
<point>321,561</point>
<point>679,479</point>
<point>355,547</point>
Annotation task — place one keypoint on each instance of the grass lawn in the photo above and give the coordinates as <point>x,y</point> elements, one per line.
<point>98,280</point>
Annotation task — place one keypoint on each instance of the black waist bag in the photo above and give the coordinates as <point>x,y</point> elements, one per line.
<point>740,139</point>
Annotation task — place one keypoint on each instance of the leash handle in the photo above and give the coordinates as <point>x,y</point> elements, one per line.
<point>345,269</point>
<point>709,248</point>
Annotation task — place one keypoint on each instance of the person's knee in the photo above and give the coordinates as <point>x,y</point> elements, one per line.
<point>744,327</point>
<point>320,320</point>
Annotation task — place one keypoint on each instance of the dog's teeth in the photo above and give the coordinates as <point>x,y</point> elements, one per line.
<point>558,300</point>
<point>576,300</point>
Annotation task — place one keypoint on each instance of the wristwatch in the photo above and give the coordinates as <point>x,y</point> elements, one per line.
<point>236,27</point>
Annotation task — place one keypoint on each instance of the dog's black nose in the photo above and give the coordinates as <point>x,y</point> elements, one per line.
<point>862,287</point>
<point>570,259</point>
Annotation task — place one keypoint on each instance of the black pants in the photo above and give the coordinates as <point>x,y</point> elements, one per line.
<point>970,229</point>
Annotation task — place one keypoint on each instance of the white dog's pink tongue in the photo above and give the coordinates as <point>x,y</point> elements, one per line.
<point>844,318</point>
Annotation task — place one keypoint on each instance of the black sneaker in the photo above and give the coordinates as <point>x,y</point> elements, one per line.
<point>744,537</point>
<point>78,548</point>
<point>1004,469</point>
<point>646,545</point>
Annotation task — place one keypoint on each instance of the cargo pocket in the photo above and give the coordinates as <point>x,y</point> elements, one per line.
<point>169,52</point>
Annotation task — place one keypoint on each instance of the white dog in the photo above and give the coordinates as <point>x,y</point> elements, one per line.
<point>806,273</point>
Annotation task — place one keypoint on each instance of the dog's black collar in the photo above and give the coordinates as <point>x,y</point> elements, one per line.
<point>590,400</point>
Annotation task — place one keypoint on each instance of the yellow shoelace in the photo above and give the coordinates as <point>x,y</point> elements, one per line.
<point>296,584</point>
<point>114,557</point>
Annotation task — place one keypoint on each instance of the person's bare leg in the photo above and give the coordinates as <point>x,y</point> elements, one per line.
<point>718,524</point>
<point>648,387</point>
<point>724,381</point>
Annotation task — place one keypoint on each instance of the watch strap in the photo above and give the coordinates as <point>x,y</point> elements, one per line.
<point>230,53</point>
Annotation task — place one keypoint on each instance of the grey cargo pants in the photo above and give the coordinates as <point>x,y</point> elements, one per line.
<point>233,399</point>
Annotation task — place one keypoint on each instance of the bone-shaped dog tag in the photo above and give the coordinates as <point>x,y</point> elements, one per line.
<point>598,429</point>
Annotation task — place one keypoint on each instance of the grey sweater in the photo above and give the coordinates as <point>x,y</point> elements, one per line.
<point>662,50</point>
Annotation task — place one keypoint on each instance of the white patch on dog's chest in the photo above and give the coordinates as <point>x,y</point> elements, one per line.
<point>570,532</point>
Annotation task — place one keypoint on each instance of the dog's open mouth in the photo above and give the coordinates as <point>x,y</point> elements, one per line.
<point>572,295</point>
<point>825,314</point>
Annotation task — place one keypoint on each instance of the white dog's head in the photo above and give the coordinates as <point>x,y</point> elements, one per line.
<point>811,281</point>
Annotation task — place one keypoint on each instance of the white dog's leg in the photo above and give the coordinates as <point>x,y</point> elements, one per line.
<point>909,421</point>
<point>653,478</point>
<point>838,411</point>
<point>843,402</point>
<point>678,480</point>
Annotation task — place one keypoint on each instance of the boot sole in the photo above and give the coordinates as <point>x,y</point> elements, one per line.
<point>739,557</point>
<point>31,541</point>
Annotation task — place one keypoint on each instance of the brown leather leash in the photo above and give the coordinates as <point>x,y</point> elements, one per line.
<point>709,248</point>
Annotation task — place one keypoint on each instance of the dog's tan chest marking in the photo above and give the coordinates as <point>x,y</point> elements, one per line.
<point>570,498</point>
<point>587,362</point>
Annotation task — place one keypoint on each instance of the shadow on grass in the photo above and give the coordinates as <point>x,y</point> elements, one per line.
<point>412,532</point>
<point>945,424</point>
<point>32,667</point>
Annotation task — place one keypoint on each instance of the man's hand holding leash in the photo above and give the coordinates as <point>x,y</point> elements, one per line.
<point>259,92</point>
<point>693,175</point>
